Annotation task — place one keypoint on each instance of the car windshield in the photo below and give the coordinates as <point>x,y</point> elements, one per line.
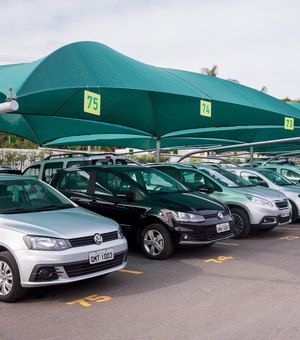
<point>29,195</point>
<point>228,179</point>
<point>154,181</point>
<point>276,178</point>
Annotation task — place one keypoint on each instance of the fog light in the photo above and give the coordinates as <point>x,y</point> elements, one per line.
<point>45,273</point>
<point>185,237</point>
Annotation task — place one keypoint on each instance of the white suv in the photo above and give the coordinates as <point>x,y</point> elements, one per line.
<point>45,239</point>
<point>47,168</point>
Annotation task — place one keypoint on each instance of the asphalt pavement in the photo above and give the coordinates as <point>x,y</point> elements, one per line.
<point>235,289</point>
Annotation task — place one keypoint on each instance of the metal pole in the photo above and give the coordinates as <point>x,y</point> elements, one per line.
<point>157,150</point>
<point>244,145</point>
<point>251,155</point>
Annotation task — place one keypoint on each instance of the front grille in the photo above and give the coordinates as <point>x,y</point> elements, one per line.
<point>213,215</point>
<point>282,204</point>
<point>210,234</point>
<point>85,241</point>
<point>85,268</point>
<point>284,219</point>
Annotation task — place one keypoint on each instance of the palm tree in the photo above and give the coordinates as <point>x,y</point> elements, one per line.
<point>213,72</point>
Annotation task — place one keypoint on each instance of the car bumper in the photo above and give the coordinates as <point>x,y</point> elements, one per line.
<point>188,235</point>
<point>40,268</point>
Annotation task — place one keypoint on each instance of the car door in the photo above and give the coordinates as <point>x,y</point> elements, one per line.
<point>116,196</point>
<point>75,185</point>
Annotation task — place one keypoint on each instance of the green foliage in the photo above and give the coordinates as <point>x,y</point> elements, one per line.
<point>18,159</point>
<point>143,159</point>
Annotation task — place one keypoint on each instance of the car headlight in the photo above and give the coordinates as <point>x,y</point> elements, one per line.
<point>120,233</point>
<point>187,217</point>
<point>46,243</point>
<point>259,200</point>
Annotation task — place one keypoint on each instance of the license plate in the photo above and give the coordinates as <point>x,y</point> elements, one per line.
<point>223,227</point>
<point>285,213</point>
<point>101,256</point>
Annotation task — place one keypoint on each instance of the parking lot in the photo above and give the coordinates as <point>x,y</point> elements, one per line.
<point>235,289</point>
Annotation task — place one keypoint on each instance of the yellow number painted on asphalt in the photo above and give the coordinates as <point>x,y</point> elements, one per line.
<point>94,298</point>
<point>289,123</point>
<point>205,108</point>
<point>220,259</point>
<point>289,238</point>
<point>92,102</point>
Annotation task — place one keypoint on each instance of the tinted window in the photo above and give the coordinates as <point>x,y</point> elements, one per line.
<point>75,181</point>
<point>33,171</point>
<point>253,178</point>
<point>50,169</point>
<point>29,195</point>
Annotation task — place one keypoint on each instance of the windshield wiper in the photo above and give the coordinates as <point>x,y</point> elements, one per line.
<point>15,211</point>
<point>54,207</point>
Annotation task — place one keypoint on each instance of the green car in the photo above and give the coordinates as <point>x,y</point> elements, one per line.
<point>252,207</point>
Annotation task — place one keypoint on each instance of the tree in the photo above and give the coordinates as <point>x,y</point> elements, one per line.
<point>213,72</point>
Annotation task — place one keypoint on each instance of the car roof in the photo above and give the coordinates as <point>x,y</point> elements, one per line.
<point>119,168</point>
<point>10,177</point>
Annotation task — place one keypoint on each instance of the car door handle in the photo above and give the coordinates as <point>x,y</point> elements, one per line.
<point>92,202</point>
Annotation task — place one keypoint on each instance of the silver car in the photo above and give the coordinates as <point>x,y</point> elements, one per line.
<point>45,239</point>
<point>252,207</point>
<point>273,180</point>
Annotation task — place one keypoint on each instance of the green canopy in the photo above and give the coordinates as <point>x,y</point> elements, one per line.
<point>141,101</point>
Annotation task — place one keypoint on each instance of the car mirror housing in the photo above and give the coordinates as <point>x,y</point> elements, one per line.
<point>126,194</point>
<point>205,190</point>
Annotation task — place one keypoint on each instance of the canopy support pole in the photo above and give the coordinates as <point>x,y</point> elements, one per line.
<point>251,155</point>
<point>157,150</point>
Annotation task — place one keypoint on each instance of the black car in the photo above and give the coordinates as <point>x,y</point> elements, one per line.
<point>153,209</point>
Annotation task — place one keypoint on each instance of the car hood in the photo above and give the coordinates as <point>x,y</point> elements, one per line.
<point>266,193</point>
<point>189,201</point>
<point>290,188</point>
<point>63,223</point>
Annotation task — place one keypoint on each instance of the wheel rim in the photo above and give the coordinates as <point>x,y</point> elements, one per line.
<point>238,224</point>
<point>6,278</point>
<point>153,242</point>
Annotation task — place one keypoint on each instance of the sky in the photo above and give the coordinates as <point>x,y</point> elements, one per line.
<point>256,42</point>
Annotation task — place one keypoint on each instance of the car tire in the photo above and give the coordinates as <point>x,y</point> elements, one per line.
<point>156,242</point>
<point>294,212</point>
<point>10,286</point>
<point>241,226</point>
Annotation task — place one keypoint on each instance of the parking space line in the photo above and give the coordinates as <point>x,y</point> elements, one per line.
<point>130,271</point>
<point>288,228</point>
<point>227,244</point>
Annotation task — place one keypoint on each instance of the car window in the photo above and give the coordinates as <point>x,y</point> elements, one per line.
<point>105,183</point>
<point>276,178</point>
<point>74,163</point>
<point>75,181</point>
<point>253,178</point>
<point>154,181</point>
<point>290,174</point>
<point>228,179</point>
<point>195,180</point>
<point>50,169</point>
<point>33,171</point>
<point>29,195</point>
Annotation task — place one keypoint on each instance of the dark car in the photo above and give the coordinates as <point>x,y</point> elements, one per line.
<point>8,170</point>
<point>153,209</point>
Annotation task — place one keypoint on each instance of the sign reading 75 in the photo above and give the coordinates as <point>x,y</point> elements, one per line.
<point>92,102</point>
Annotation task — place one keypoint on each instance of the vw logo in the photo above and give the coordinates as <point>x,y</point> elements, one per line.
<point>220,215</point>
<point>98,239</point>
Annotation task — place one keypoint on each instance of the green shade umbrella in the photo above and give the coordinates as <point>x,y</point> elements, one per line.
<point>137,100</point>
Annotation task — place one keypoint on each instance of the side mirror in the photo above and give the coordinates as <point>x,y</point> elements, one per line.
<point>205,190</point>
<point>126,194</point>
